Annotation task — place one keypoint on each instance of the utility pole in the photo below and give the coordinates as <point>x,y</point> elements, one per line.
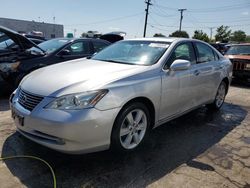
<point>211,32</point>
<point>146,16</point>
<point>181,10</point>
<point>75,33</point>
<point>54,29</point>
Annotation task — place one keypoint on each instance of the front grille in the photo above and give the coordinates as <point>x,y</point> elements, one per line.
<point>27,100</point>
<point>239,64</point>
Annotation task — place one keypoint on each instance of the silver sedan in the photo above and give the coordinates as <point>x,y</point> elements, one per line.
<point>115,98</point>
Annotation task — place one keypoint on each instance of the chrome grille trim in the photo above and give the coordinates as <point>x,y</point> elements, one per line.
<point>239,64</point>
<point>27,100</point>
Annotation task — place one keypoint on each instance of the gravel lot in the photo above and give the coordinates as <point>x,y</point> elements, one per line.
<point>200,149</point>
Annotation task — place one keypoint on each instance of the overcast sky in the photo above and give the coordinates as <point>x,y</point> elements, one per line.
<point>129,15</point>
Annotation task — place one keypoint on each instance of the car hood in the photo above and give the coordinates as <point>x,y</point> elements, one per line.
<point>23,42</point>
<point>245,57</point>
<point>76,76</point>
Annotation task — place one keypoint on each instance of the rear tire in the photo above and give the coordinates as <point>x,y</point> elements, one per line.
<point>219,98</point>
<point>131,127</point>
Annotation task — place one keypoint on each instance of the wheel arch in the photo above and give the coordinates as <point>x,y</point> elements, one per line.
<point>226,80</point>
<point>147,102</point>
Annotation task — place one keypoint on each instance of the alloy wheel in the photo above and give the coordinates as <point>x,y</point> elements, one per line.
<point>133,128</point>
<point>220,97</point>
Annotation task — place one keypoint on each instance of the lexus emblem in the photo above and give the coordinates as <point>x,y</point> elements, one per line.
<point>24,98</point>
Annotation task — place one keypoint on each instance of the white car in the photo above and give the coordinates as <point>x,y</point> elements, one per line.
<point>117,96</point>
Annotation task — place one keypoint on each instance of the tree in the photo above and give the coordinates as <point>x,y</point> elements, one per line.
<point>248,38</point>
<point>238,36</point>
<point>182,34</point>
<point>198,34</point>
<point>223,34</point>
<point>84,35</point>
<point>159,35</point>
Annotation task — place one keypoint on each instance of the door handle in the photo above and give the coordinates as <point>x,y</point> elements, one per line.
<point>196,72</point>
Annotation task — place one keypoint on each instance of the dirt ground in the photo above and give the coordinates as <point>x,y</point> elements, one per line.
<point>200,149</point>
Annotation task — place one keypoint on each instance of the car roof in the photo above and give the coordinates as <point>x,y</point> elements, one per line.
<point>83,38</point>
<point>161,39</point>
<point>242,44</point>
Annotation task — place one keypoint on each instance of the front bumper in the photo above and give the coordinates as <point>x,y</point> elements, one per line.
<point>241,73</point>
<point>75,131</point>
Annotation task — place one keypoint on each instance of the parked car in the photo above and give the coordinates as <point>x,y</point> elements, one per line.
<point>34,38</point>
<point>18,62</point>
<point>117,96</point>
<point>239,54</point>
<point>113,36</point>
<point>221,47</point>
<point>7,45</point>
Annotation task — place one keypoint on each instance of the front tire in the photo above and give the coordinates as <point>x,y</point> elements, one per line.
<point>219,98</point>
<point>131,127</point>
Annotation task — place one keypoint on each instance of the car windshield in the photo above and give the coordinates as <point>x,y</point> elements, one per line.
<point>239,50</point>
<point>133,52</point>
<point>50,45</point>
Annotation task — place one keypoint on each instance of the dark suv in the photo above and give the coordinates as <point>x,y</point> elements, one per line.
<point>17,62</point>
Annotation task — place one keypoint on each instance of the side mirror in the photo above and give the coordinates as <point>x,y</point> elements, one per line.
<point>180,64</point>
<point>64,53</point>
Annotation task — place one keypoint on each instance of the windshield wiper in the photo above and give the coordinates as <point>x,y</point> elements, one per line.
<point>109,60</point>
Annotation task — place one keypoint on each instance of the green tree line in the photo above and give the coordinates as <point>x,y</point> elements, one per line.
<point>223,34</point>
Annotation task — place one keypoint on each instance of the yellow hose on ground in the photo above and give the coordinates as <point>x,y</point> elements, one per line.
<point>36,158</point>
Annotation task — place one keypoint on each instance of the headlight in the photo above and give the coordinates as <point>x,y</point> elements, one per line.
<point>9,66</point>
<point>77,101</point>
<point>12,95</point>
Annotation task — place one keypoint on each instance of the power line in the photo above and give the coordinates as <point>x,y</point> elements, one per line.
<point>229,21</point>
<point>153,26</point>
<point>173,24</point>
<point>162,14</point>
<point>146,17</point>
<point>222,8</point>
<point>108,20</point>
<point>208,10</point>
<point>204,27</point>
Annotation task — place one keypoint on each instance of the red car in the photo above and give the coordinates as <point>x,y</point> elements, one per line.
<point>239,54</point>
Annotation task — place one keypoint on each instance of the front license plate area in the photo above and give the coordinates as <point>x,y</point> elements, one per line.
<point>19,120</point>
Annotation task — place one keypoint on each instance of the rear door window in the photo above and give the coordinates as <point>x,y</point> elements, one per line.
<point>99,45</point>
<point>79,48</point>
<point>204,53</point>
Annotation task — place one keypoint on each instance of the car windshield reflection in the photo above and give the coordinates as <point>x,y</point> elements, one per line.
<point>133,52</point>
<point>50,45</point>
